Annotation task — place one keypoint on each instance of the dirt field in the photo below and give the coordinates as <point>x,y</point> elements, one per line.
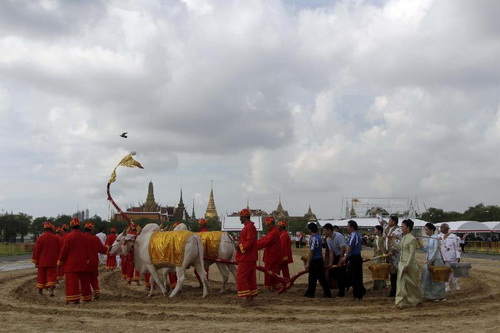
<point>124,308</point>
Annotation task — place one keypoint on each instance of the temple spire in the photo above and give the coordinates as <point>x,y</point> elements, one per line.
<point>280,207</point>
<point>193,216</point>
<point>310,216</point>
<point>280,213</point>
<point>180,211</point>
<point>150,205</point>
<point>211,212</point>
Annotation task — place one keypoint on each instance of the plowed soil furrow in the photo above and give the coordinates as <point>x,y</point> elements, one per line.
<point>126,308</point>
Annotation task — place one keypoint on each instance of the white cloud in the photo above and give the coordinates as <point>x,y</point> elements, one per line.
<point>263,97</point>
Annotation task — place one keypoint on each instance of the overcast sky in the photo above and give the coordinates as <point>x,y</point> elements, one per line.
<point>313,100</point>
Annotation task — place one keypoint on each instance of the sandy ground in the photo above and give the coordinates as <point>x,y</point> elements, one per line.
<point>125,308</point>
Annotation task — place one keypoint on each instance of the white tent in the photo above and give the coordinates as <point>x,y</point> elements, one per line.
<point>232,223</point>
<point>466,226</point>
<point>366,223</point>
<point>493,225</point>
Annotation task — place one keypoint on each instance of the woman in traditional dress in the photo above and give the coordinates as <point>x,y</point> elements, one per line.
<point>408,291</point>
<point>378,250</point>
<point>432,290</point>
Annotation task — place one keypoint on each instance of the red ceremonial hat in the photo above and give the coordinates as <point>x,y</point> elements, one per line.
<point>269,220</point>
<point>282,224</point>
<point>202,222</point>
<point>48,225</point>
<point>245,212</point>
<point>113,229</point>
<point>74,222</point>
<point>89,225</point>
<point>64,227</point>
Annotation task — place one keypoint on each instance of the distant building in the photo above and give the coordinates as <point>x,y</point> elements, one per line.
<point>310,216</point>
<point>280,214</point>
<point>149,209</point>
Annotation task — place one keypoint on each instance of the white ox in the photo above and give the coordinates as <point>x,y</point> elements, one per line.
<point>226,251</point>
<point>193,255</point>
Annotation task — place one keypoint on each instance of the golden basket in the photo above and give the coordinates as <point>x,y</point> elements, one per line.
<point>440,273</point>
<point>380,271</point>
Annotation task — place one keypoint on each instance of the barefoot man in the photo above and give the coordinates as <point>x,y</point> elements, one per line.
<point>246,256</point>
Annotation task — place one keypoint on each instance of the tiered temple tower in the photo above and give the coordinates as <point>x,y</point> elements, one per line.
<point>280,214</point>
<point>310,216</point>
<point>180,213</point>
<point>211,212</point>
<point>150,205</point>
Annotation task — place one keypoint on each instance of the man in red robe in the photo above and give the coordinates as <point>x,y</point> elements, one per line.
<point>202,224</point>
<point>130,271</point>
<point>272,254</point>
<point>94,247</point>
<point>60,236</point>
<point>286,249</point>
<point>111,258</point>
<point>246,256</point>
<point>45,256</point>
<point>74,259</point>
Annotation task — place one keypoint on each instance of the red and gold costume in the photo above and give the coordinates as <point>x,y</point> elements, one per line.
<point>203,228</point>
<point>272,254</point>
<point>74,259</point>
<point>94,247</point>
<point>131,273</point>
<point>111,258</point>
<point>60,236</point>
<point>247,256</point>
<point>286,250</point>
<point>45,256</point>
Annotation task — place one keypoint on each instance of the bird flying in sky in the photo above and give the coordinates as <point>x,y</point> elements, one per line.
<point>124,135</point>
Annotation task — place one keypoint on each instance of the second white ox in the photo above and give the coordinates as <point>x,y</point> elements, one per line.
<point>225,251</point>
<point>193,256</point>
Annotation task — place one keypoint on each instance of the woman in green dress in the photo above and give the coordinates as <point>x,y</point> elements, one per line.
<point>408,291</point>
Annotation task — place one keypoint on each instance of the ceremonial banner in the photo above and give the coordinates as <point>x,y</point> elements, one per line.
<point>127,161</point>
<point>168,247</point>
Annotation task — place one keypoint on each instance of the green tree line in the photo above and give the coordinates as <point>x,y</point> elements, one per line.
<point>19,225</point>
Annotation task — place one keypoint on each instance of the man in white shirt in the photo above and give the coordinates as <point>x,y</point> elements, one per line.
<point>336,250</point>
<point>393,236</point>
<point>102,237</point>
<point>450,249</point>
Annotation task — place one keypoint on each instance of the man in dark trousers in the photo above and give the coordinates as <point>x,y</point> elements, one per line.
<point>315,264</point>
<point>354,260</point>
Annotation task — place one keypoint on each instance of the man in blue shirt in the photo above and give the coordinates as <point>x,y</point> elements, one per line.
<point>315,264</point>
<point>335,249</point>
<point>354,260</point>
